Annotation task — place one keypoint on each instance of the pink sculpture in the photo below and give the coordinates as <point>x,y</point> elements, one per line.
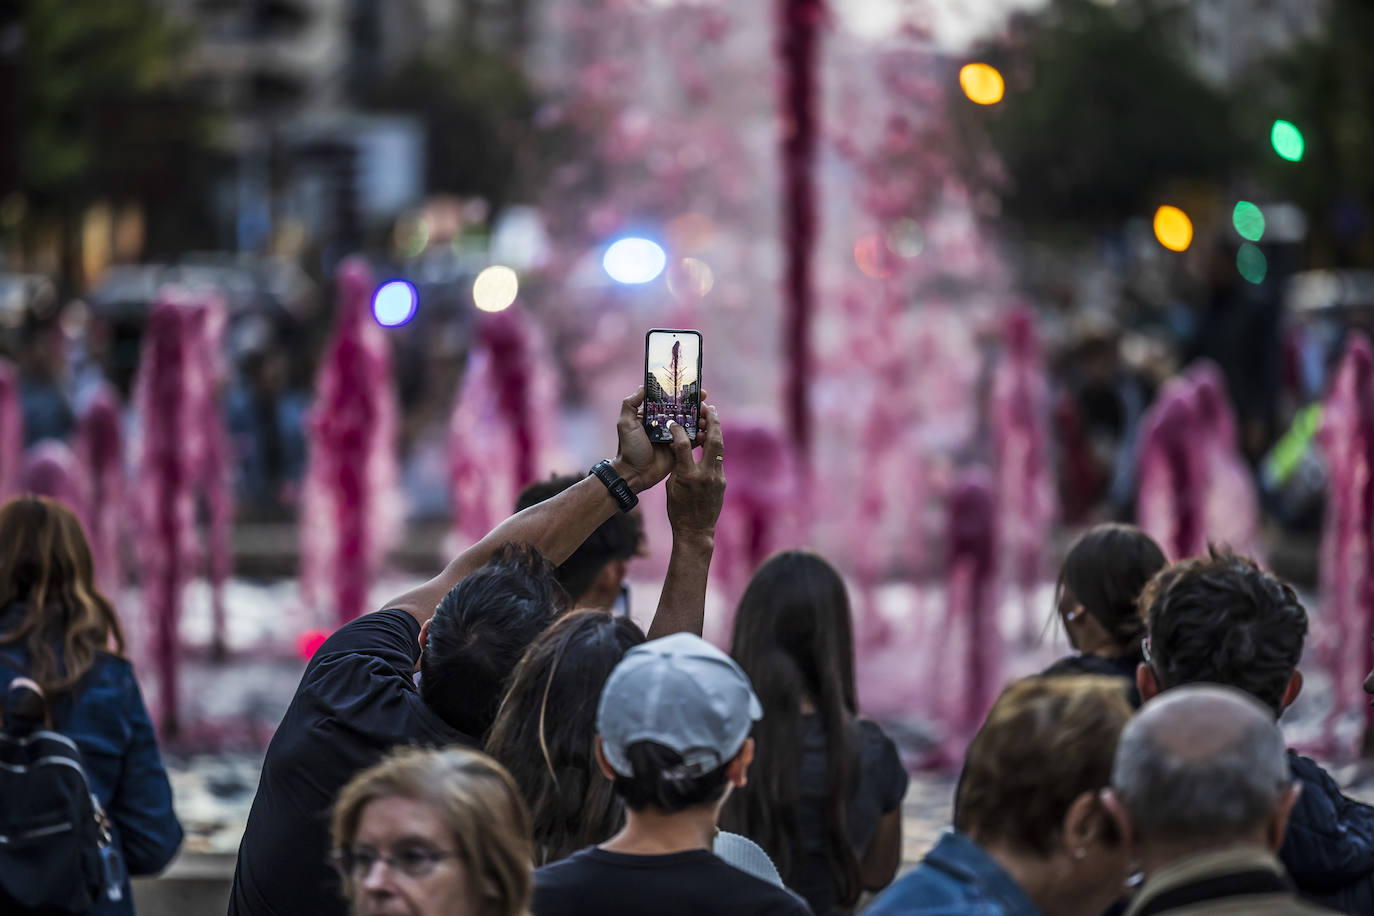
<point>11,429</point>
<point>164,482</point>
<point>1172,487</point>
<point>497,431</point>
<point>350,508</point>
<point>1194,487</point>
<point>972,668</point>
<point>209,443</point>
<point>1347,550</point>
<point>762,512</point>
<point>798,43</point>
<point>100,450</point>
<point>51,470</point>
<point>1020,412</point>
<point>1231,512</point>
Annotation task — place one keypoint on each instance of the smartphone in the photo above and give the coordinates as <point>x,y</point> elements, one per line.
<point>672,382</point>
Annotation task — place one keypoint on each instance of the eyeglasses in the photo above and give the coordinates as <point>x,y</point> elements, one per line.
<point>413,862</point>
<point>1145,653</point>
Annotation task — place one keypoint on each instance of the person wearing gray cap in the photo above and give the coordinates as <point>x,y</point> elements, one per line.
<point>1202,792</point>
<point>673,730</point>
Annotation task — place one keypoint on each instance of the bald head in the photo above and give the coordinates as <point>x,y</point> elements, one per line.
<point>1201,762</point>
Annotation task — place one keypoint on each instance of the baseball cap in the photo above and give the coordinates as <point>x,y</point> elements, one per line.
<point>683,693</point>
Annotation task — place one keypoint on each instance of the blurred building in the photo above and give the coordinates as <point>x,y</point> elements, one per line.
<point>290,77</point>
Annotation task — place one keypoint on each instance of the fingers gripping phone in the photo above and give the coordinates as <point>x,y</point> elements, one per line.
<point>672,382</point>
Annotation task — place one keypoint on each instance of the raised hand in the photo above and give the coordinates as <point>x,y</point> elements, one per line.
<point>643,463</point>
<point>696,488</point>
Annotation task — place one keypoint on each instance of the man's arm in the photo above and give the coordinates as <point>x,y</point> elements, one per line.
<point>557,526</point>
<point>696,492</point>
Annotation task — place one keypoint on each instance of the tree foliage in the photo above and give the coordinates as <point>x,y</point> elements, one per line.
<point>478,109</point>
<point>1102,109</point>
<point>101,108</point>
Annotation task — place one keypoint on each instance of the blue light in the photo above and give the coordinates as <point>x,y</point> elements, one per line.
<point>634,260</point>
<point>394,303</point>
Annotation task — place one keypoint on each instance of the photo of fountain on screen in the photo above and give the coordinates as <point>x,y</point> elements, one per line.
<point>672,387</point>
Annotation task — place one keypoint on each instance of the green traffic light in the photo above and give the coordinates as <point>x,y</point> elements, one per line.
<point>1287,140</point>
<point>1252,263</point>
<point>1248,220</point>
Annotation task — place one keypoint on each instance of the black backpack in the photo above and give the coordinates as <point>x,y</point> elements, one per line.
<point>56,852</point>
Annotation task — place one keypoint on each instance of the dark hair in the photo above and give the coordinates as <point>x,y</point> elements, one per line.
<point>479,631</point>
<point>46,570</point>
<point>545,731</point>
<point>1045,742</point>
<point>1223,620</point>
<point>794,638</point>
<point>618,538</point>
<point>651,787</point>
<point>1105,571</point>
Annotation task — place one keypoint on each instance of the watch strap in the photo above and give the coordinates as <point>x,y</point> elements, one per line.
<point>620,490</point>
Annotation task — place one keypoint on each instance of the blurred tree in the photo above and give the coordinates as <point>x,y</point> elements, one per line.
<point>1102,109</point>
<point>102,114</point>
<point>478,109</point>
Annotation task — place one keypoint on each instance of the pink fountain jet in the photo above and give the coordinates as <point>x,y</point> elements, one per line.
<point>350,507</point>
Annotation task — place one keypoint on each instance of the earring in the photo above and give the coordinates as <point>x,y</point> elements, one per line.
<point>1080,853</point>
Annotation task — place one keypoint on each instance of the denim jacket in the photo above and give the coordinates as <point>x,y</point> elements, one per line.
<point>109,723</point>
<point>956,878</point>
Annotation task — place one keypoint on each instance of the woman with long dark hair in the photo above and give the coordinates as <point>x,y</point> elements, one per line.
<point>545,735</point>
<point>824,797</point>
<point>546,729</point>
<point>59,631</point>
<point>1097,601</point>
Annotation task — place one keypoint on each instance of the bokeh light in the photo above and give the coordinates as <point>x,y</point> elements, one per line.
<point>1287,140</point>
<point>1252,263</point>
<point>634,260</point>
<point>690,232</point>
<point>1173,228</point>
<point>982,83</point>
<point>1248,220</point>
<point>495,288</point>
<point>394,303</point>
<point>411,236</point>
<point>868,255</point>
<point>309,642</point>
<point>690,277</point>
<point>905,239</point>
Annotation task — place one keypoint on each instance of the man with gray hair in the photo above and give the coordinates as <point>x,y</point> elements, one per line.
<point>1202,792</point>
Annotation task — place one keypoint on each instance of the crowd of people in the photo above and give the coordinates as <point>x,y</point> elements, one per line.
<point>500,741</point>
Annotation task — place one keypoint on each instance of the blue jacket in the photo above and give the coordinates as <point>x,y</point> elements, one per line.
<point>956,878</point>
<point>1329,847</point>
<point>110,725</point>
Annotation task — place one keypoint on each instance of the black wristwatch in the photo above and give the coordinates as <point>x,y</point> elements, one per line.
<point>603,472</point>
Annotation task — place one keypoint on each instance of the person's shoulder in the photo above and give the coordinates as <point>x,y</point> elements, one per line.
<point>742,892</point>
<point>927,889</point>
<point>389,634</point>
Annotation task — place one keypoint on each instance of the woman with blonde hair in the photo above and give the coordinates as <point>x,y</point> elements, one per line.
<point>58,630</point>
<point>429,832</point>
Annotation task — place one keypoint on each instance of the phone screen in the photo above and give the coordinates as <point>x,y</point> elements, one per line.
<point>672,382</point>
